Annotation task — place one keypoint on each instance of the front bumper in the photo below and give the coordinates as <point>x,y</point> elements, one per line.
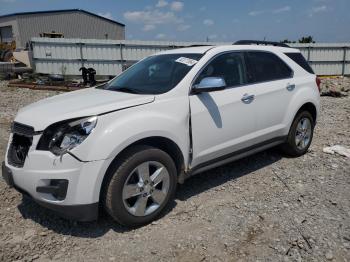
<point>79,196</point>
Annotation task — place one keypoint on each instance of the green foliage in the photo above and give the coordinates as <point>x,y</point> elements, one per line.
<point>306,40</point>
<point>287,41</point>
<point>303,40</point>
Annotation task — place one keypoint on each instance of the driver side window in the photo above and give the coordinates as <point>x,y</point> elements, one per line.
<point>229,66</point>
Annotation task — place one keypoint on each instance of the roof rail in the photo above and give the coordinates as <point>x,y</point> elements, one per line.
<point>257,42</point>
<point>198,45</point>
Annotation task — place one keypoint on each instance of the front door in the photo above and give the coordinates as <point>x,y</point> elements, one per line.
<point>223,121</point>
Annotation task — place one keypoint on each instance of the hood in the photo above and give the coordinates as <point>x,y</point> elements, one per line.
<point>81,103</point>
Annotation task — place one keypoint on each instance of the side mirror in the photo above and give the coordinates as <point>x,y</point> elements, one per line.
<point>209,84</point>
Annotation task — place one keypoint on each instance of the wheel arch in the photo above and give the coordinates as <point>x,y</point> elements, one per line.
<point>311,108</point>
<point>163,143</point>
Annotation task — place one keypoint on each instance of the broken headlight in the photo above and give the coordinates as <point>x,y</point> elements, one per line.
<point>61,137</point>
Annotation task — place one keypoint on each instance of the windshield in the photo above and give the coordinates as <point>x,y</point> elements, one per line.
<point>154,75</point>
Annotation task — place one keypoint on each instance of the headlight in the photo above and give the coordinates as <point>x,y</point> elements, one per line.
<point>61,137</point>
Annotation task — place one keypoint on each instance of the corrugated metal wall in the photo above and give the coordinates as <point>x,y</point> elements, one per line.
<point>70,24</point>
<point>66,56</point>
<point>327,59</point>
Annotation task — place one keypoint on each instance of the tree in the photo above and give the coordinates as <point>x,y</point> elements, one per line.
<point>287,41</point>
<point>303,40</point>
<point>306,40</point>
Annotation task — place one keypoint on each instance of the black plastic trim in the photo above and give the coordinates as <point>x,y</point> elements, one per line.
<point>22,129</point>
<point>58,188</point>
<point>7,175</point>
<point>238,152</point>
<point>18,150</point>
<point>257,42</point>
<point>83,213</point>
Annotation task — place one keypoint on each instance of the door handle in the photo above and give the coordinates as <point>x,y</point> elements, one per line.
<point>247,99</point>
<point>290,87</point>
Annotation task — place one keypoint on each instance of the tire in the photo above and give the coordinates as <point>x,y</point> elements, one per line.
<point>131,198</point>
<point>292,147</point>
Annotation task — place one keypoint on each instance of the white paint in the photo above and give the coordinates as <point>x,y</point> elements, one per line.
<point>221,123</point>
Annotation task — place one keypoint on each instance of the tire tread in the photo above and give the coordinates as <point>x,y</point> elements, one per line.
<point>289,147</point>
<point>115,177</point>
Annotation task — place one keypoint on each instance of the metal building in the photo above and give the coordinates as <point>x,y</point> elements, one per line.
<point>71,23</point>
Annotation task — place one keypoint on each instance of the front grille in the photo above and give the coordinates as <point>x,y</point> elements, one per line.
<point>22,129</point>
<point>21,142</point>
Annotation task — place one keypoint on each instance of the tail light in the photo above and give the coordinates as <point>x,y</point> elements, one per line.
<point>318,83</point>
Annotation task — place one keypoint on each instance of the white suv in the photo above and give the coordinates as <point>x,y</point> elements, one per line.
<point>125,145</point>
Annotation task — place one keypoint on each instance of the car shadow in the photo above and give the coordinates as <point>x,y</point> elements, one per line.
<point>193,186</point>
<point>50,220</point>
<point>218,176</point>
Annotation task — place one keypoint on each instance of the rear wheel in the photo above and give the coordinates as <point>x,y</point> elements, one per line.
<point>300,135</point>
<point>141,186</point>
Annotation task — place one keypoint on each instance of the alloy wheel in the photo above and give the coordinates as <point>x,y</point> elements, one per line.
<point>303,133</point>
<point>146,188</point>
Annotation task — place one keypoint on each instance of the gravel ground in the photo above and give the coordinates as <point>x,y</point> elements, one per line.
<point>266,207</point>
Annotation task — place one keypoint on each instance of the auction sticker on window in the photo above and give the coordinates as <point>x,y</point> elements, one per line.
<point>186,61</point>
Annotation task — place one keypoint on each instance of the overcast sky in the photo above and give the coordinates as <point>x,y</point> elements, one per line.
<point>218,20</point>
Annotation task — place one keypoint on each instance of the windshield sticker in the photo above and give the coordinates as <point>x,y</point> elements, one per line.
<point>186,61</point>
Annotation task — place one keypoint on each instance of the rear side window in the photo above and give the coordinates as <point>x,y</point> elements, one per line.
<point>300,60</point>
<point>264,66</point>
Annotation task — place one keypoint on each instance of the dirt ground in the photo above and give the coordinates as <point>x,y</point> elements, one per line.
<point>263,208</point>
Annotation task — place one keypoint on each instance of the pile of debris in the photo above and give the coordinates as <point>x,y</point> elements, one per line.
<point>335,86</point>
<point>56,82</point>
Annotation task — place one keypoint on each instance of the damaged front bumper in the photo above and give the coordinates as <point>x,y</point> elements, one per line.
<point>64,184</point>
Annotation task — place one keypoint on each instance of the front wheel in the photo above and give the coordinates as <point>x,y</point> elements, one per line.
<point>300,135</point>
<point>142,185</point>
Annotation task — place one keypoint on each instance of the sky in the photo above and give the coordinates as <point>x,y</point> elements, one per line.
<point>212,20</point>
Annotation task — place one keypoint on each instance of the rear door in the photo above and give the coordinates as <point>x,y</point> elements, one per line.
<point>274,88</point>
<point>221,121</point>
